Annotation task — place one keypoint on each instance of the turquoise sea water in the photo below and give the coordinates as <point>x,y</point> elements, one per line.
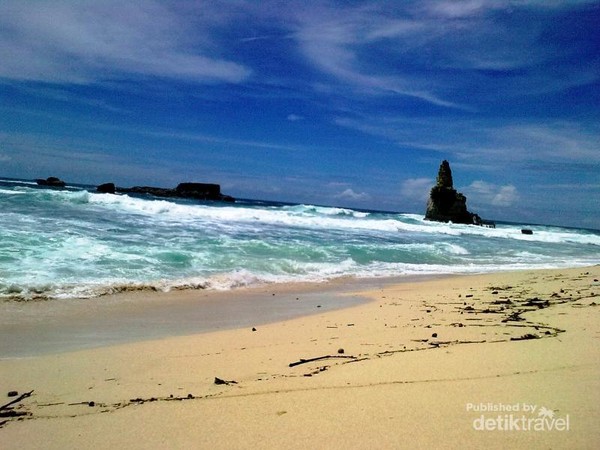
<point>77,243</point>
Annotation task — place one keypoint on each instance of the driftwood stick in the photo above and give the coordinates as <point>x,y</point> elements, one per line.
<point>318,358</point>
<point>17,400</point>
<point>227,382</point>
<point>13,413</point>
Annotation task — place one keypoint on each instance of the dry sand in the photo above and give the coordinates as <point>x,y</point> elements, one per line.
<point>406,370</point>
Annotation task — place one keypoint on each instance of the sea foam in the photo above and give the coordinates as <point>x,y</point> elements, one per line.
<point>78,243</point>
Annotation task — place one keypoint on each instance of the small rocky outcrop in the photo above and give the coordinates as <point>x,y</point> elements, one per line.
<point>106,188</point>
<point>51,182</point>
<point>445,204</point>
<point>197,191</point>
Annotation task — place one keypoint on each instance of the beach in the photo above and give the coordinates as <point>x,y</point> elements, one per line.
<point>299,225</point>
<point>502,360</point>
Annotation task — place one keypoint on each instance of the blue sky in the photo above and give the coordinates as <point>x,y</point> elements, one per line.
<point>349,103</point>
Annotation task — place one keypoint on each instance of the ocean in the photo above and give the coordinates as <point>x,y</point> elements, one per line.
<point>75,243</point>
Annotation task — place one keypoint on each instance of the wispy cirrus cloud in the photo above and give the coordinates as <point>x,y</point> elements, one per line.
<point>334,42</point>
<point>437,51</point>
<point>419,50</point>
<point>504,143</point>
<point>459,9</point>
<point>87,42</point>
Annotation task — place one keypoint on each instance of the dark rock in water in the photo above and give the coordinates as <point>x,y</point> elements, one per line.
<point>198,191</point>
<point>156,191</point>
<point>51,181</point>
<point>106,188</point>
<point>526,231</point>
<point>445,204</point>
<point>202,191</point>
<point>227,198</point>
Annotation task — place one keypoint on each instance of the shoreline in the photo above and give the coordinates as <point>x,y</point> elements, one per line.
<point>63,325</point>
<point>399,370</point>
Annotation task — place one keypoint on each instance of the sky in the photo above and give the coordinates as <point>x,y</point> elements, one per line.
<point>346,103</point>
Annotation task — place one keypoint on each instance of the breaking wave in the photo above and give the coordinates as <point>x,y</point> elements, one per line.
<point>76,243</point>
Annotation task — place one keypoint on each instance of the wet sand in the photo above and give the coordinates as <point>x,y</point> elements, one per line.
<point>409,369</point>
<point>54,326</point>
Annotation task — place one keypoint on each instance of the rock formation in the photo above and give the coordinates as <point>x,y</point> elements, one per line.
<point>197,191</point>
<point>51,181</point>
<point>445,204</point>
<point>107,188</point>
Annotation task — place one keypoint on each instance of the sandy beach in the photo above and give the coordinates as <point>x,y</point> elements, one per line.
<point>504,360</point>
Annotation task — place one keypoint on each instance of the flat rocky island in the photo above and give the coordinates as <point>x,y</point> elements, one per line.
<point>198,191</point>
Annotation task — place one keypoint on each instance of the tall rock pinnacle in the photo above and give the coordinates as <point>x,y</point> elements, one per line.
<point>444,178</point>
<point>445,204</point>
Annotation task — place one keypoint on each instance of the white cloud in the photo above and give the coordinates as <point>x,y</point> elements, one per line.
<point>416,188</point>
<point>487,193</point>
<point>351,195</point>
<point>506,196</point>
<point>87,42</point>
<point>294,117</point>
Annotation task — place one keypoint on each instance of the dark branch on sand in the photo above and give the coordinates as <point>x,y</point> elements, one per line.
<point>319,358</point>
<point>225,382</point>
<point>7,411</point>
<point>6,407</point>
